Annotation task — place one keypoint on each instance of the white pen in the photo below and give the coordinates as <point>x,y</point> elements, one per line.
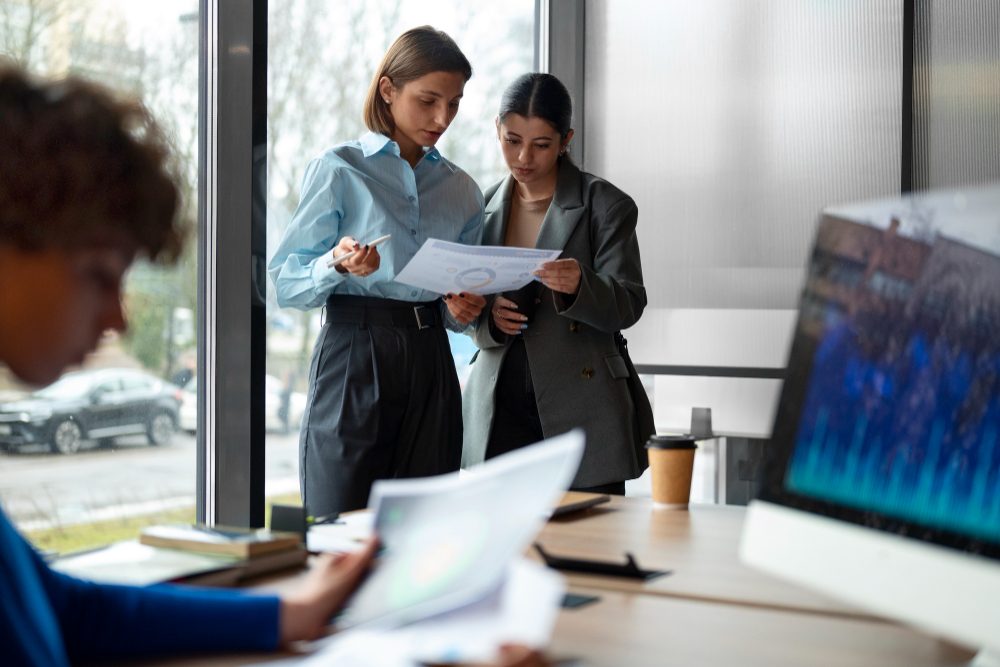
<point>347,255</point>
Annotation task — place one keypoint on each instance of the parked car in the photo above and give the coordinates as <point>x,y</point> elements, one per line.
<point>273,421</point>
<point>98,404</point>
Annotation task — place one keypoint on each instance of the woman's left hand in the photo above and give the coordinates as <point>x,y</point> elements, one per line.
<point>562,275</point>
<point>465,307</point>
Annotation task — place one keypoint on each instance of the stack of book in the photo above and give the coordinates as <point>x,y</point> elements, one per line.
<point>259,551</point>
<point>192,554</point>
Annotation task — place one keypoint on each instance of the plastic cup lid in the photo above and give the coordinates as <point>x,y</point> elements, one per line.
<point>671,442</point>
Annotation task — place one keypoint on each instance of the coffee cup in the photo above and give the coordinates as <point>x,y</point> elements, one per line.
<point>671,463</point>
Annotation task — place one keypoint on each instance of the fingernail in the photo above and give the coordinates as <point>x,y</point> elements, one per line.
<point>447,296</point>
<point>462,294</point>
<point>524,326</point>
<point>524,318</point>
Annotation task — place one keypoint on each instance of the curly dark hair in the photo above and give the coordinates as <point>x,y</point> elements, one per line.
<point>81,166</point>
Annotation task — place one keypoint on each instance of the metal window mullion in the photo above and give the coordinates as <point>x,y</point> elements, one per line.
<point>230,465</point>
<point>562,34</point>
<point>542,12</point>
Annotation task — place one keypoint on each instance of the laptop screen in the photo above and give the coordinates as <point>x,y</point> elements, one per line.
<point>890,413</point>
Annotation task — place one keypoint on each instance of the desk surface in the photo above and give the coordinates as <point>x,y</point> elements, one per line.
<point>699,546</point>
<point>711,611</point>
<point>647,630</point>
<point>641,630</point>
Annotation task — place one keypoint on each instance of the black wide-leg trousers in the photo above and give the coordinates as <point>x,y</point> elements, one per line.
<point>516,422</point>
<point>384,402</point>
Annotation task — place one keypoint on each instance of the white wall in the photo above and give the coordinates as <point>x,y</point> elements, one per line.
<point>732,123</point>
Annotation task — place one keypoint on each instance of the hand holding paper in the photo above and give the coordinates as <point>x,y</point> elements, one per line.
<point>443,267</point>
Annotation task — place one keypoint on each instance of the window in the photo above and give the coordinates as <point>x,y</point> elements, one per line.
<point>321,58</point>
<point>79,470</point>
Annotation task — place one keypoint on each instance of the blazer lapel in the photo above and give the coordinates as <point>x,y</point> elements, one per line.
<point>496,214</point>
<point>565,212</point>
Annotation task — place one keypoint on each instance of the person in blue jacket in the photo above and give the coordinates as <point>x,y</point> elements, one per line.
<point>384,399</point>
<point>84,189</point>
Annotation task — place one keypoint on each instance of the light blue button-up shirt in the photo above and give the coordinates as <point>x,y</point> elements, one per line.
<point>365,190</point>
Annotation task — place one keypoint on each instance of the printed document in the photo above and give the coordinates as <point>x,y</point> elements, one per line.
<point>443,267</point>
<point>448,540</point>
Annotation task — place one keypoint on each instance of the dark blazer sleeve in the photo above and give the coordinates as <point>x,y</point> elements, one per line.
<point>612,296</point>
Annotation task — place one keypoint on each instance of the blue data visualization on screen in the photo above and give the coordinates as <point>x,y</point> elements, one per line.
<point>902,409</point>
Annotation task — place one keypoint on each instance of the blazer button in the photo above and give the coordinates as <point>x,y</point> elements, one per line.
<point>574,326</point>
<point>588,372</point>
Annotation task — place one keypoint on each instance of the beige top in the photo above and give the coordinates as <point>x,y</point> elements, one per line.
<point>525,220</point>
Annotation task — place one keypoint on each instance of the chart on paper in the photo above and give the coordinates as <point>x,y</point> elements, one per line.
<point>443,267</point>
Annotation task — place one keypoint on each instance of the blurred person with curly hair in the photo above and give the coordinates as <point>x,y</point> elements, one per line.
<point>85,188</point>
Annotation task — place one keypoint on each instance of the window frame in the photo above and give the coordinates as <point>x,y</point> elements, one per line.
<point>232,180</point>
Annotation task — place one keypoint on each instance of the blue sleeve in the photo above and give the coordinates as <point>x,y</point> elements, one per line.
<point>104,621</point>
<point>48,619</point>
<point>472,234</point>
<point>299,266</point>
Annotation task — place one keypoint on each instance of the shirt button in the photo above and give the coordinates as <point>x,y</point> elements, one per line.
<point>412,199</point>
<point>574,326</point>
<point>588,372</point>
<point>413,293</point>
<point>413,232</point>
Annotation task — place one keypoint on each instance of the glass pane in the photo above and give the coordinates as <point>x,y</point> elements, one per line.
<point>321,58</point>
<point>957,93</point>
<point>110,446</point>
<point>762,114</point>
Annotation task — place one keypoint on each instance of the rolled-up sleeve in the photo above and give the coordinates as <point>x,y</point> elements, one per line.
<point>299,266</point>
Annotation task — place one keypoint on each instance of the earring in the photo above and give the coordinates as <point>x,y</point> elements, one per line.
<point>387,100</point>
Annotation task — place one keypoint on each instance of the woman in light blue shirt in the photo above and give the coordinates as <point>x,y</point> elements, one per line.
<point>384,399</point>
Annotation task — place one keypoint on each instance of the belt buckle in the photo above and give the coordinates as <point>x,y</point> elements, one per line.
<point>420,324</point>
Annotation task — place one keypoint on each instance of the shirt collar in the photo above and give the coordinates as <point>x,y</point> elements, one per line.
<point>374,142</point>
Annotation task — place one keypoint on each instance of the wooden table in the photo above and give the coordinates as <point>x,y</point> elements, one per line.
<point>699,546</point>
<point>711,611</point>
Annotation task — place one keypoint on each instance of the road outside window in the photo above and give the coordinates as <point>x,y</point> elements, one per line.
<point>89,459</point>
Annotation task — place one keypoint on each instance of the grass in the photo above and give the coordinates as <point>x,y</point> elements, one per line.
<point>86,536</point>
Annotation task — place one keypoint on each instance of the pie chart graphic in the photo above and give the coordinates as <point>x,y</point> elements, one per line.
<point>475,278</point>
<point>435,556</point>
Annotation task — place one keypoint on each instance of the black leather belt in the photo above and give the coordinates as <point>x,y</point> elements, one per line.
<point>366,310</point>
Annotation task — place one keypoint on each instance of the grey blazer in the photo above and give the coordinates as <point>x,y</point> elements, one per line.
<point>579,377</point>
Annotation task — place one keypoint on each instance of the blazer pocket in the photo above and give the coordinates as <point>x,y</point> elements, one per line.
<point>617,366</point>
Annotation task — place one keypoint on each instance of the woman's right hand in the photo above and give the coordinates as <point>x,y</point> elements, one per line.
<point>364,262</point>
<point>506,318</point>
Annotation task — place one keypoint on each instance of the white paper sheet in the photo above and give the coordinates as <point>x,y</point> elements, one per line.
<point>522,611</point>
<point>443,267</point>
<point>345,535</point>
<point>449,539</point>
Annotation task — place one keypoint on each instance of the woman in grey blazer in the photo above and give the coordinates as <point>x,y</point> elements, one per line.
<point>550,355</point>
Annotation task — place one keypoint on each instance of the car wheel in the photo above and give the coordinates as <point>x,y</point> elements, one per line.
<point>66,437</point>
<point>160,430</point>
